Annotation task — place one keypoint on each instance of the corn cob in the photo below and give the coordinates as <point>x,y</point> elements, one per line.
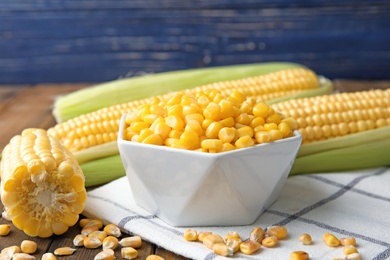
<point>353,150</point>
<point>343,131</point>
<point>136,88</point>
<point>42,184</point>
<point>101,126</point>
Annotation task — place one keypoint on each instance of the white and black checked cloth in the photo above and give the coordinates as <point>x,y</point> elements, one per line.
<point>355,203</point>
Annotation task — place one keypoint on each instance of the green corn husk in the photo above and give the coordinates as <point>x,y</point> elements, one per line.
<point>128,89</point>
<point>363,156</point>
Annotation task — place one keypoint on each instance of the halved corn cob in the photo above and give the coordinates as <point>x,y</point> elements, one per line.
<point>101,126</point>
<point>42,184</point>
<point>129,89</point>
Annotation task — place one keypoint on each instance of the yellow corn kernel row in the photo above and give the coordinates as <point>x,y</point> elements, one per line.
<point>330,116</point>
<point>232,242</point>
<point>42,184</point>
<point>207,121</point>
<point>102,126</point>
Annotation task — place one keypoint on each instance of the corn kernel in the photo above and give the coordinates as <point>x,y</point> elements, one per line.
<point>78,240</point>
<point>190,234</point>
<point>134,242</point>
<point>299,255</point>
<point>305,239</point>
<point>213,130</point>
<point>110,242</point>
<point>98,234</point>
<point>270,241</point>
<point>64,251</point>
<point>249,247</point>
<point>278,231</point>
<point>226,134</point>
<point>28,246</point>
<point>5,229</point>
<point>222,249</point>
<point>330,240</point>
<point>257,234</point>
<point>349,249</point>
<point>202,234</point>
<point>244,141</point>
<point>92,242</point>
<point>260,110</point>
<point>233,242</point>
<point>112,230</point>
<point>129,253</point>
<point>48,256</point>
<point>107,254</point>
<point>212,239</point>
<point>345,241</point>
<point>262,137</point>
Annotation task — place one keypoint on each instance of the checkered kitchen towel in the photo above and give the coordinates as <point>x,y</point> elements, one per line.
<point>345,204</point>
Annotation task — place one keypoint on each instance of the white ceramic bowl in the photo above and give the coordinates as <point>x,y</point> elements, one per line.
<point>188,188</point>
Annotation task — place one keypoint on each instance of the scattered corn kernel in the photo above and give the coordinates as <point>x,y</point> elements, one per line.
<point>64,251</point>
<point>28,246</point>
<point>88,230</point>
<point>349,249</point>
<point>278,231</point>
<point>202,234</point>
<point>101,235</point>
<point>23,256</point>
<point>110,242</point>
<point>78,240</point>
<point>190,234</point>
<point>5,229</point>
<point>107,254</point>
<point>92,242</point>
<point>84,221</point>
<point>345,241</point>
<point>134,242</point>
<point>222,249</point>
<point>305,239</point>
<point>233,242</point>
<point>212,239</point>
<point>95,223</point>
<point>257,234</point>
<point>129,253</point>
<point>249,247</point>
<point>112,230</point>
<point>154,257</point>
<point>330,240</point>
<point>270,241</point>
<point>299,255</point>
<point>48,256</point>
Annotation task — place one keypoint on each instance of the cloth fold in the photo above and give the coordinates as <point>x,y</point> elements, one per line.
<point>355,203</point>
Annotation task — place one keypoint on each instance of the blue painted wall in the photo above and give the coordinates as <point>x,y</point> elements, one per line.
<point>101,40</point>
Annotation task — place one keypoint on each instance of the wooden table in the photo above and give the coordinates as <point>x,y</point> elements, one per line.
<point>30,106</point>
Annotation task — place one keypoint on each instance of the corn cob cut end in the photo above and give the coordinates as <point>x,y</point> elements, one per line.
<point>42,184</point>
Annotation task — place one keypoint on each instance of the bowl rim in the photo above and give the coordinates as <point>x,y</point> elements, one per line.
<point>121,141</point>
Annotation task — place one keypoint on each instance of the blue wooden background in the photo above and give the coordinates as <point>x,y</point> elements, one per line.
<point>101,40</point>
